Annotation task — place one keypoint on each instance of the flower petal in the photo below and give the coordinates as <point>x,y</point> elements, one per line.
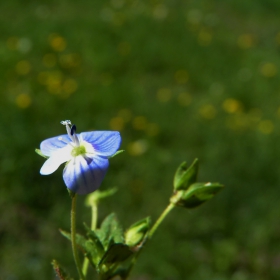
<point>83,175</point>
<point>105,143</point>
<point>51,145</point>
<point>56,159</point>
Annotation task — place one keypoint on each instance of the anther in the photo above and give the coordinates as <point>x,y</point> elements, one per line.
<point>73,129</point>
<point>66,122</point>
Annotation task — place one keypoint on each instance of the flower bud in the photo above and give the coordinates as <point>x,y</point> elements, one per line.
<point>196,194</point>
<point>137,232</point>
<point>184,176</point>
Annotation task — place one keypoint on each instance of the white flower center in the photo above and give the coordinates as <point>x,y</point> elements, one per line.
<point>78,151</point>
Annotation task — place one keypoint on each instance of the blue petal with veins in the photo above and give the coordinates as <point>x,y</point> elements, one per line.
<point>86,156</point>
<point>105,143</point>
<point>83,178</point>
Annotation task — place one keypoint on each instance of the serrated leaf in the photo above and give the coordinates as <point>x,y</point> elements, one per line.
<point>80,240</point>
<point>185,176</point>
<point>110,231</point>
<point>199,193</point>
<point>92,253</point>
<point>94,238</point>
<point>88,246</point>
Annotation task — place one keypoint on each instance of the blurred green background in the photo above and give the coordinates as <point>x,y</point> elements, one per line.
<point>179,80</point>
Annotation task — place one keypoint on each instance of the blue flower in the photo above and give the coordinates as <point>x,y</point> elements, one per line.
<point>86,156</point>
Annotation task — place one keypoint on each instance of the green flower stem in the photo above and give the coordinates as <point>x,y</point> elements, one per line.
<point>94,212</point>
<point>73,237</point>
<point>150,234</point>
<point>160,219</point>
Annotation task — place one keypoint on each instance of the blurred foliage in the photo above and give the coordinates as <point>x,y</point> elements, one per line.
<point>179,80</point>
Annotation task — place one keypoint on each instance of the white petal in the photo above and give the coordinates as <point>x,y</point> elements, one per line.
<point>56,159</point>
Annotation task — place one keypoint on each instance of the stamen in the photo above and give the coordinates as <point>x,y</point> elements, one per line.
<point>73,129</point>
<point>74,136</point>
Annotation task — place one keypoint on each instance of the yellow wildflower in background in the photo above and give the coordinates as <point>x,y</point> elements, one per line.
<point>245,41</point>
<point>231,105</point>
<point>69,86</point>
<point>204,37</point>
<point>181,76</point>
<point>117,123</point>
<point>184,99</point>
<point>266,127</point>
<point>139,123</point>
<point>23,100</point>
<point>268,69</point>
<point>57,42</point>
<point>23,67</point>
<point>164,94</point>
<point>208,111</point>
<point>137,148</point>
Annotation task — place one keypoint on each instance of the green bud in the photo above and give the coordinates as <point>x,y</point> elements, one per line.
<point>184,176</point>
<point>137,232</point>
<point>196,194</point>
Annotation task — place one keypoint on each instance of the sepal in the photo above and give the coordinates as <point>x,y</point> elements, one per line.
<point>185,176</point>
<point>39,152</point>
<point>116,153</point>
<point>196,194</point>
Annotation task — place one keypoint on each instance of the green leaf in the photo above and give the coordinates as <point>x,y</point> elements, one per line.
<point>118,152</point>
<point>88,246</point>
<point>39,152</point>
<point>95,197</point>
<point>110,231</point>
<point>94,238</point>
<point>137,232</point>
<point>197,194</point>
<point>80,240</point>
<point>117,253</point>
<point>92,253</point>
<point>185,176</point>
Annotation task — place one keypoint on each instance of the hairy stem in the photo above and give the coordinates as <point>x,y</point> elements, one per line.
<point>160,219</point>
<point>73,237</point>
